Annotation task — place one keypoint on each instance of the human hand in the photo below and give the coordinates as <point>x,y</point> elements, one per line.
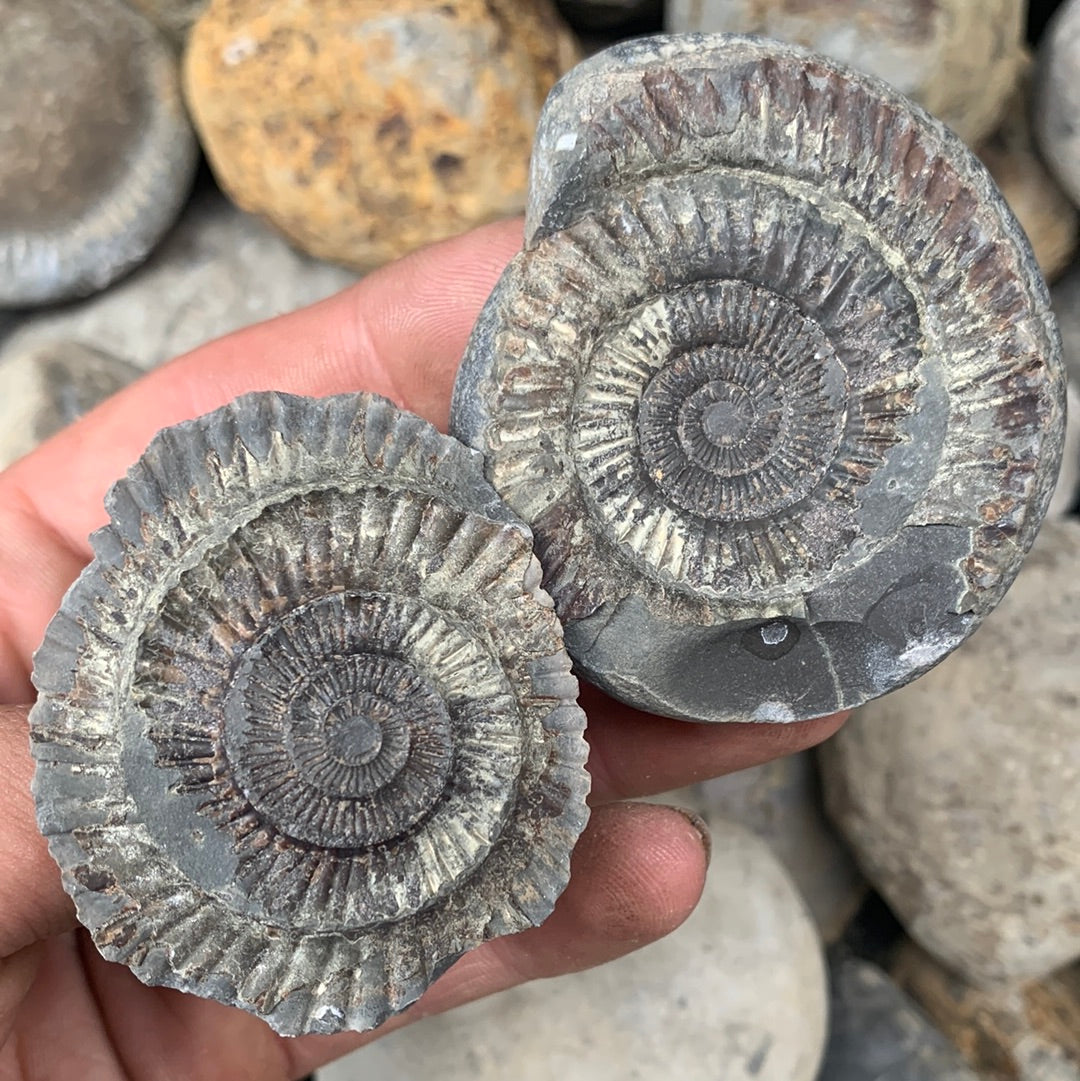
<point>637,871</point>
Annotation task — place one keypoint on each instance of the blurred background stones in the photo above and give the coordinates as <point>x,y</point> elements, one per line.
<point>780,801</point>
<point>363,130</point>
<point>43,390</point>
<point>1065,299</point>
<point>878,1034</point>
<point>960,793</point>
<point>625,16</point>
<point>1026,1033</point>
<point>219,270</point>
<point>96,153</point>
<point>1043,209</point>
<point>1067,493</point>
<point>1057,97</point>
<point>737,992</point>
<point>173,17</point>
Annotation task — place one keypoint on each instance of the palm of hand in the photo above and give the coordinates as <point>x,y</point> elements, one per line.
<point>636,874</point>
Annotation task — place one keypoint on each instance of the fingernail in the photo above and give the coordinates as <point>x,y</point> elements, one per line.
<point>700,825</point>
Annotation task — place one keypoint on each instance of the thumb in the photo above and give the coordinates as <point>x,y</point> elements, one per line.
<point>33,905</point>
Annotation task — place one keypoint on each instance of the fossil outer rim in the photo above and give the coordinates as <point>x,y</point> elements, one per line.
<point>178,502</point>
<point>648,117</point>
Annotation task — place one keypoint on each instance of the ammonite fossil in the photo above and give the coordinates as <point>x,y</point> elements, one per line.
<point>774,381</point>
<point>96,152</point>
<point>306,730</point>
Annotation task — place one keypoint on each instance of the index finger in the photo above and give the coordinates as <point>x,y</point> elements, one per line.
<point>400,332</point>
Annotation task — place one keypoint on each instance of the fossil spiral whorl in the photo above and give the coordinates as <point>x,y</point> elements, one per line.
<point>306,730</point>
<point>774,382</point>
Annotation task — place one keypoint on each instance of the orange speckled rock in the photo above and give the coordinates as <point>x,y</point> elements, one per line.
<point>364,129</point>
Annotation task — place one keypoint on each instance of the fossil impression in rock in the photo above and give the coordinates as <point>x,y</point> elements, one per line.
<point>96,152</point>
<point>306,731</point>
<point>774,381</point>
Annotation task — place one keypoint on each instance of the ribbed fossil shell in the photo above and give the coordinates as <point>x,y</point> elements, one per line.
<point>774,381</point>
<point>306,731</point>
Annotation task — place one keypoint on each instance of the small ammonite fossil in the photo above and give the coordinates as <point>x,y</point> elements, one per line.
<point>306,729</point>
<point>774,381</point>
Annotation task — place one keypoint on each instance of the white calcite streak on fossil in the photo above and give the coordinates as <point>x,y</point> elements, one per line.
<point>775,380</point>
<point>306,730</point>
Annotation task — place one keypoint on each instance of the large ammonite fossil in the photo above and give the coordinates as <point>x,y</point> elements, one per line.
<point>306,730</point>
<point>774,382</point>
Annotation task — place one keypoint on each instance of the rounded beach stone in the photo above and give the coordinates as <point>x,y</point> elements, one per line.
<point>305,730</point>
<point>363,130</point>
<point>1065,298</point>
<point>219,269</point>
<point>774,381</point>
<point>780,801</point>
<point>44,389</point>
<point>1035,197</point>
<point>737,992</point>
<point>876,1032</point>
<point>961,793</point>
<point>1057,97</point>
<point>96,152</point>
<point>174,17</point>
<point>1029,1033</point>
<point>1067,493</point>
<point>957,58</point>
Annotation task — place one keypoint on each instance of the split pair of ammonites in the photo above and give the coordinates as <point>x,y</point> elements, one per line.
<point>764,418</point>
